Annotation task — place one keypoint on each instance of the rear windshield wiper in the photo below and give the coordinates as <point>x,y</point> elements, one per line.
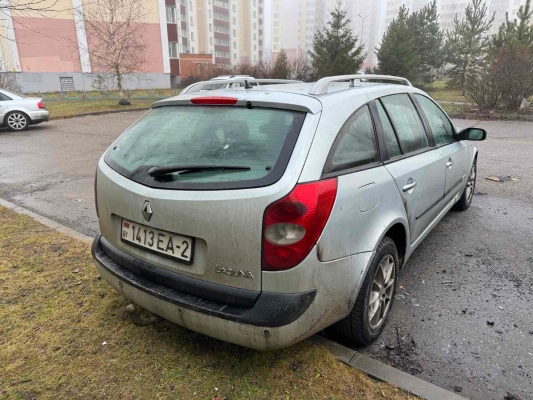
<point>156,172</point>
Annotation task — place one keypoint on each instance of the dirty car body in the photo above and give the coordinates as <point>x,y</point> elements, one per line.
<point>254,216</point>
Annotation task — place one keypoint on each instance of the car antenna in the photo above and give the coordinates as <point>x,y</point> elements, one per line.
<point>247,84</point>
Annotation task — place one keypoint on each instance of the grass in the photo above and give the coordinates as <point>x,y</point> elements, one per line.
<point>64,334</point>
<point>69,108</point>
<point>72,104</point>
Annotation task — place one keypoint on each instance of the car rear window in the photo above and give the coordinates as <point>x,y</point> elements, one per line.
<point>259,138</point>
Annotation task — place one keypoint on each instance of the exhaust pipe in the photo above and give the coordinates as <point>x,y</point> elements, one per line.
<point>133,311</point>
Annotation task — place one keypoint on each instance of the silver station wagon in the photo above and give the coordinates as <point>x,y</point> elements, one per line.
<point>261,216</point>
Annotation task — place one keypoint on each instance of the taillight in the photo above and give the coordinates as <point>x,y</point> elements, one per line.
<point>214,101</point>
<point>293,224</point>
<point>41,105</point>
<point>96,194</point>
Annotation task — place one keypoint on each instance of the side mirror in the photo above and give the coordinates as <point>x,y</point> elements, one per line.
<point>476,134</point>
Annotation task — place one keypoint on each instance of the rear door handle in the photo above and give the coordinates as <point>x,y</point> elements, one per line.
<point>409,186</point>
<point>449,163</point>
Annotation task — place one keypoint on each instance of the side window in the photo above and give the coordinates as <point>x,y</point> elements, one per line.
<point>3,97</point>
<point>390,136</point>
<point>406,121</point>
<point>439,123</point>
<point>355,145</point>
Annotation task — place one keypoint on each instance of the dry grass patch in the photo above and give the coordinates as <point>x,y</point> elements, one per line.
<point>64,334</point>
<point>69,108</point>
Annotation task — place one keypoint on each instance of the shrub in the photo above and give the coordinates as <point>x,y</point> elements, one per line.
<point>511,70</point>
<point>483,91</point>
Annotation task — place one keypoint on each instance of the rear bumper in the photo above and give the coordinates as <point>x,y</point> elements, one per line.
<point>279,313</point>
<point>39,116</point>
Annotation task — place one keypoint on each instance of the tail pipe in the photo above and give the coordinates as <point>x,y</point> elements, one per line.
<point>134,311</point>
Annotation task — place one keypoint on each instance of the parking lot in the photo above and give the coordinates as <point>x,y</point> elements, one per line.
<point>462,318</point>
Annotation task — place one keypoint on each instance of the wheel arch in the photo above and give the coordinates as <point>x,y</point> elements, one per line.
<point>14,111</point>
<point>398,231</point>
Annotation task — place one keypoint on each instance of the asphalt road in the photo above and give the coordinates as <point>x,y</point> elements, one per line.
<point>463,316</point>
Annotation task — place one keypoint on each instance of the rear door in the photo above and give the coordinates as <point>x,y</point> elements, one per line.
<point>455,153</point>
<point>217,212</point>
<point>417,168</point>
<point>4,108</point>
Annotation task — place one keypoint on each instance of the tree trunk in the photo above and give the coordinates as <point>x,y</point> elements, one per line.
<point>119,79</point>
<point>463,76</point>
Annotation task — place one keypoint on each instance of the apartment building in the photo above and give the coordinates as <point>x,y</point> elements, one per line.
<point>43,51</point>
<point>293,25</point>
<point>231,30</point>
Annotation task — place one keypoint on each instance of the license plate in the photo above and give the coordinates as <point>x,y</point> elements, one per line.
<point>164,243</point>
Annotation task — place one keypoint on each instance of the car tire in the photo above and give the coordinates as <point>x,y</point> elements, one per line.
<point>359,327</point>
<point>466,198</point>
<point>17,121</point>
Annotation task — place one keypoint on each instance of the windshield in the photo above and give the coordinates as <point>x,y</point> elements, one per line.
<point>260,140</point>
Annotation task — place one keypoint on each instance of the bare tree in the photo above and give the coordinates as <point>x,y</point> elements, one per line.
<point>115,32</point>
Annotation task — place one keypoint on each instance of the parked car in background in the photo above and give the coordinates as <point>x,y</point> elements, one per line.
<point>262,216</point>
<point>224,77</point>
<point>233,83</point>
<point>17,112</point>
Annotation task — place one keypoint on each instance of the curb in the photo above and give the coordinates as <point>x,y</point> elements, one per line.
<point>104,112</point>
<point>384,372</point>
<point>491,117</point>
<point>370,366</point>
<point>47,222</point>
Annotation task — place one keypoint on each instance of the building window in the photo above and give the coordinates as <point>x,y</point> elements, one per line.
<point>234,45</point>
<point>171,14</point>
<point>210,28</point>
<point>192,36</point>
<point>192,22</point>
<point>192,50</point>
<point>221,4</point>
<point>190,5</point>
<point>173,49</point>
<point>211,40</point>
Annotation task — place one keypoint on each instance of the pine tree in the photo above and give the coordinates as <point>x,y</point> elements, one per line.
<point>467,45</point>
<point>397,54</point>
<point>282,68</point>
<point>516,31</point>
<point>335,50</point>
<point>428,39</point>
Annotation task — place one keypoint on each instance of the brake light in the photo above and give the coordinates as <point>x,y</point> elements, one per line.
<point>214,101</point>
<point>96,193</point>
<point>293,224</point>
<point>41,105</point>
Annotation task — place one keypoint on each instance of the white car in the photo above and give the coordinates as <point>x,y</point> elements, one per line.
<point>18,112</point>
<point>261,216</point>
<point>225,77</point>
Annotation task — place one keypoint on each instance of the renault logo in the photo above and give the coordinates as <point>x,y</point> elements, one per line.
<point>147,211</point>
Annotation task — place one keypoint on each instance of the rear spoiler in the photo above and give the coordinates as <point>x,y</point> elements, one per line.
<point>251,99</point>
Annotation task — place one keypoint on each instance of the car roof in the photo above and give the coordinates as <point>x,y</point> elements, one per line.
<point>308,97</point>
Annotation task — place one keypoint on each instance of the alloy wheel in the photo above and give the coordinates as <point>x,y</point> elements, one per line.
<point>471,184</point>
<point>17,121</point>
<point>381,292</point>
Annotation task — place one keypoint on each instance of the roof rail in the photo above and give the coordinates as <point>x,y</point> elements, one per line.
<point>321,86</point>
<point>221,83</point>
